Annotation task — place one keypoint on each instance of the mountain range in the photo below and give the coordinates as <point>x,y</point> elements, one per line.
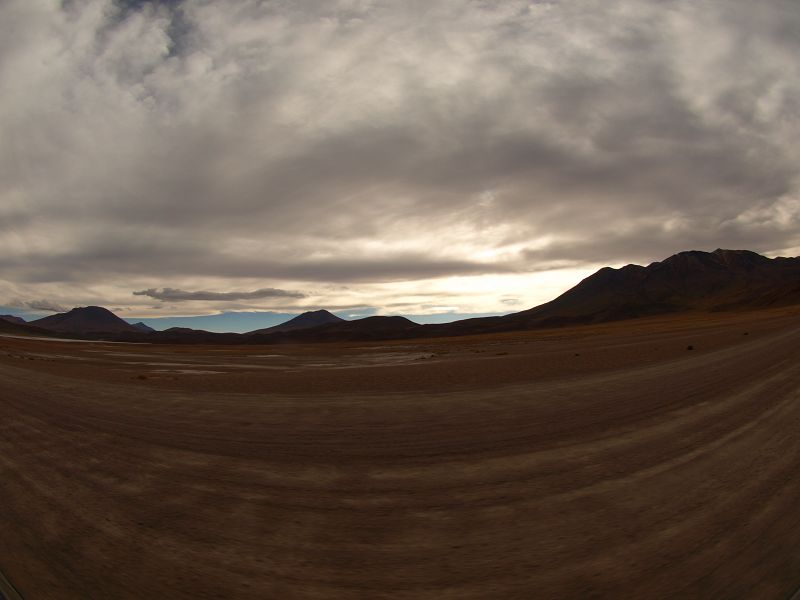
<point>687,281</point>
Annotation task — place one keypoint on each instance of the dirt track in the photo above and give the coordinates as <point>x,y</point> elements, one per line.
<point>625,467</point>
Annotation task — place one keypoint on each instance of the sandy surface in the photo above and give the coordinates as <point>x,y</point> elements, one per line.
<point>603,462</point>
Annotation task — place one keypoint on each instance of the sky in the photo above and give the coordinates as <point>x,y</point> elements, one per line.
<point>426,157</point>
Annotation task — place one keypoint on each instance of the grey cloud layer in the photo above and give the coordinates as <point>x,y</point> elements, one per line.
<point>371,140</point>
<point>176,295</point>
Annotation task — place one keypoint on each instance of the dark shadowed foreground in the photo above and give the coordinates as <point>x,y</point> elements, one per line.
<point>607,462</point>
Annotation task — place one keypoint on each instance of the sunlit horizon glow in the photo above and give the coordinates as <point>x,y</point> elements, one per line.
<point>197,157</point>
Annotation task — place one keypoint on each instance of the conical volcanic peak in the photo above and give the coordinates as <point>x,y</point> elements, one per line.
<point>307,320</point>
<point>86,319</point>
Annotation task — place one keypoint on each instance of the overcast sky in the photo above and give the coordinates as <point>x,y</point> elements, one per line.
<point>196,156</point>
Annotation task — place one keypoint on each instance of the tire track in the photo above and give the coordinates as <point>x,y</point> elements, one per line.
<point>7,589</point>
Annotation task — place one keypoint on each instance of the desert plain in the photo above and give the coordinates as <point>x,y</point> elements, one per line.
<point>644,459</point>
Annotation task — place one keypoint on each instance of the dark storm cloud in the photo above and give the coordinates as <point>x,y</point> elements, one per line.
<point>375,141</point>
<point>176,295</point>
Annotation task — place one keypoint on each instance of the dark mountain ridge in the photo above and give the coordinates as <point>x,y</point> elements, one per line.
<point>13,319</point>
<point>687,281</point>
<point>692,280</point>
<point>9,328</point>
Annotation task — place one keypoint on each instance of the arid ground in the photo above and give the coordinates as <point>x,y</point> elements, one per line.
<point>656,458</point>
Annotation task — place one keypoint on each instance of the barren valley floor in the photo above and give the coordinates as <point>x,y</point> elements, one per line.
<point>597,462</point>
